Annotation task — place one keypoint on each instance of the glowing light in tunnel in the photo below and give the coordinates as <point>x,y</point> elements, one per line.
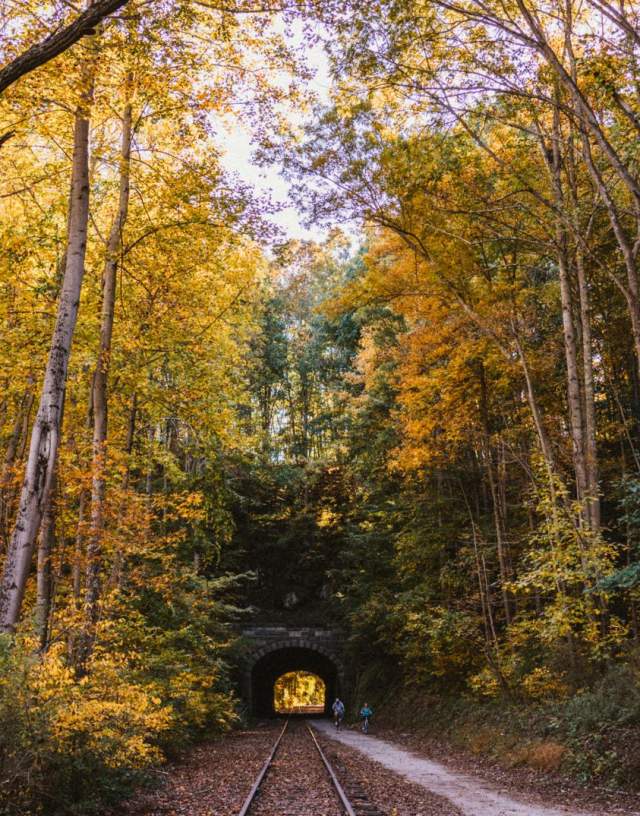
<point>299,692</point>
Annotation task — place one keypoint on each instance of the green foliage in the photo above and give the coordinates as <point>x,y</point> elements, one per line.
<point>627,577</point>
<point>624,578</point>
<point>612,702</point>
<point>290,498</point>
<point>600,726</point>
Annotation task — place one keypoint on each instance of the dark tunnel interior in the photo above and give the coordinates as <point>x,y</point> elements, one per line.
<point>271,666</point>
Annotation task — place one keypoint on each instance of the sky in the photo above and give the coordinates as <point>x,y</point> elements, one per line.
<point>236,144</point>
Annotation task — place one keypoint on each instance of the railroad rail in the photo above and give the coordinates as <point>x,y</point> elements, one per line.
<point>344,801</point>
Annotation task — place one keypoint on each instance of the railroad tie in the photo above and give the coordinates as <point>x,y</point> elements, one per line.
<point>356,792</point>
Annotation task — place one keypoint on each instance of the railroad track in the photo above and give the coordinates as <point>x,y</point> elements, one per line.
<point>352,799</point>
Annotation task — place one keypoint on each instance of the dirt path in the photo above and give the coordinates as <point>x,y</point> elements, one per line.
<point>472,797</point>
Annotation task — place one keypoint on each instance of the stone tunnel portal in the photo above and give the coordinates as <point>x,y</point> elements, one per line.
<point>272,665</point>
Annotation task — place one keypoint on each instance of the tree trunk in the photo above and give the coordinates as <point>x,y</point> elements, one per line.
<point>19,432</point>
<point>588,383</point>
<point>591,450</point>
<point>45,434</point>
<point>495,499</point>
<point>81,532</point>
<point>626,243</point>
<point>543,437</point>
<point>574,396</point>
<point>630,290</point>
<point>117,572</point>
<point>43,582</point>
<point>554,161</point>
<point>100,390</point>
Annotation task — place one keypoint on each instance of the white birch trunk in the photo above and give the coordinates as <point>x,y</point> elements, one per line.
<point>44,577</point>
<point>45,434</point>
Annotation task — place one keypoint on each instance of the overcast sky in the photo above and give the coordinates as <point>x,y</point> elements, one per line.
<point>236,145</point>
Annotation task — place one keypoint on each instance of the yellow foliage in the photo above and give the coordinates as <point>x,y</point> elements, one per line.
<point>327,518</point>
<point>115,720</point>
<point>542,683</point>
<point>298,690</point>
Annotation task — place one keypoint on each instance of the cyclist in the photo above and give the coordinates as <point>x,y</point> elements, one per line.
<point>365,713</point>
<point>338,712</point>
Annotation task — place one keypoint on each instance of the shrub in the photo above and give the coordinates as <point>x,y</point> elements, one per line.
<point>70,745</point>
<point>614,701</point>
<point>66,742</point>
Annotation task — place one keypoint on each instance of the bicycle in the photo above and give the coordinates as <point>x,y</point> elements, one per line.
<point>365,725</point>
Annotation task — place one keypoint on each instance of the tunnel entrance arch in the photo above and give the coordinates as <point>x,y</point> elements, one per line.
<point>271,666</point>
<point>275,651</point>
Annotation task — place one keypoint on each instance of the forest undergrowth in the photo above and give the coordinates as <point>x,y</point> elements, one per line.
<point>590,737</point>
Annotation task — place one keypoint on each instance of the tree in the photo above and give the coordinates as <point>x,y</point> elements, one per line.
<point>45,436</point>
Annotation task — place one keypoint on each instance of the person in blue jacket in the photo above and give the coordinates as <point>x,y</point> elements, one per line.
<point>365,715</point>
